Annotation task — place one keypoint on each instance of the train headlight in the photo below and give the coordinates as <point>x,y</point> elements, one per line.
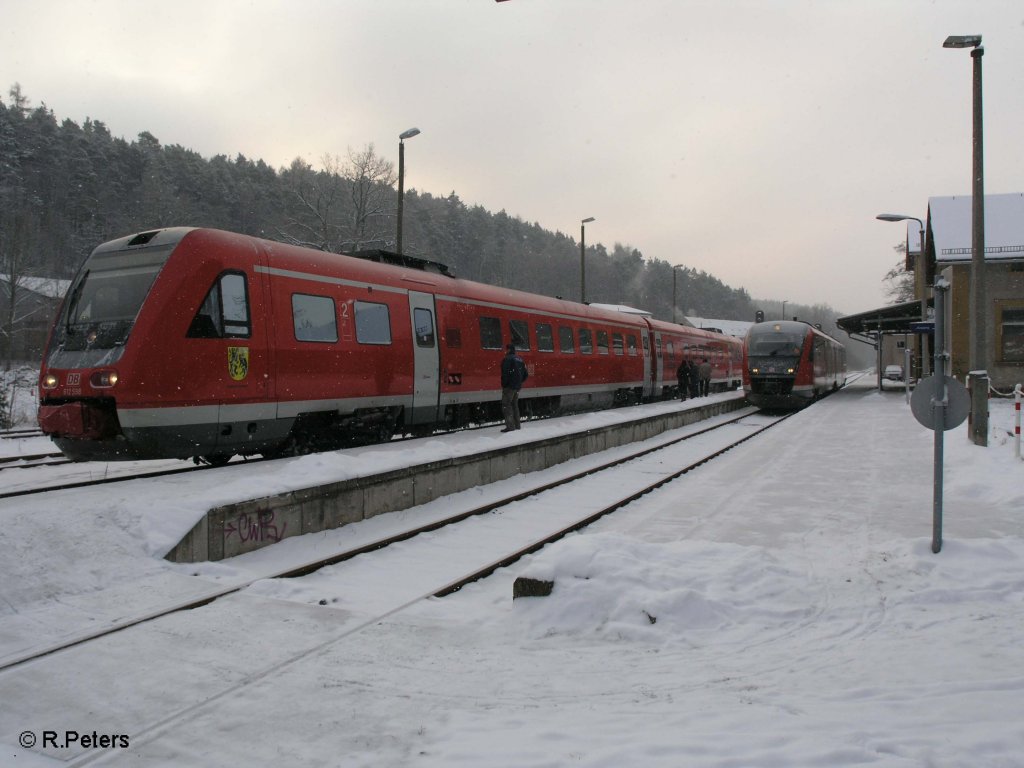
<point>50,381</point>
<point>103,379</point>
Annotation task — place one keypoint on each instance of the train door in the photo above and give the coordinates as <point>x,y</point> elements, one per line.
<point>648,367</point>
<point>426,378</point>
<point>230,358</point>
<point>659,365</point>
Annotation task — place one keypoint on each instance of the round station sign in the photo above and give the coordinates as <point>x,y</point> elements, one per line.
<point>929,390</point>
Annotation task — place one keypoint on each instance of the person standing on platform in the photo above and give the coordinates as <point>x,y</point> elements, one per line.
<point>683,378</point>
<point>513,374</point>
<point>694,380</point>
<point>704,372</point>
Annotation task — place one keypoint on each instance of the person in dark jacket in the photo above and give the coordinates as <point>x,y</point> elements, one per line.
<point>513,374</point>
<point>705,377</point>
<point>683,378</point>
<point>694,380</point>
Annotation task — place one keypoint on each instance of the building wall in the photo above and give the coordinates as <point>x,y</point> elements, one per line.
<point>1004,290</point>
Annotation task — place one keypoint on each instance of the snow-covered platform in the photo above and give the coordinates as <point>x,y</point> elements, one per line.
<point>238,527</point>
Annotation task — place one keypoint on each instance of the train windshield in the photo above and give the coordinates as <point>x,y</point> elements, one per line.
<point>106,298</point>
<point>776,344</point>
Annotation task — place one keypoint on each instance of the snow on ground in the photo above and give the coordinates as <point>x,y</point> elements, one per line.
<point>780,606</point>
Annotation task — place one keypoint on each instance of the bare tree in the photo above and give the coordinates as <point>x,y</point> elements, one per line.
<point>343,206</point>
<point>900,282</point>
<point>372,178</point>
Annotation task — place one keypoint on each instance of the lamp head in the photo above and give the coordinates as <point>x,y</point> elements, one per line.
<point>409,134</point>
<point>962,41</point>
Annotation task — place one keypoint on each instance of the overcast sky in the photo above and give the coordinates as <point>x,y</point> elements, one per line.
<point>752,139</point>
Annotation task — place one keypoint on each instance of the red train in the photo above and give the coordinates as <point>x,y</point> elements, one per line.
<point>185,342</point>
<point>787,364</point>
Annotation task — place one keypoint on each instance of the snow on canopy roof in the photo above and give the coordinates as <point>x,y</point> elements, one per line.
<point>950,220</point>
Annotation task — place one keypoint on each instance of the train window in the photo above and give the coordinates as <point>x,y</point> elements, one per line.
<point>617,346</point>
<point>520,331</point>
<point>423,323</point>
<point>670,349</point>
<point>602,342</point>
<point>490,333</point>
<point>225,310</point>
<point>314,318</point>
<point>631,347</point>
<point>235,304</point>
<point>647,343</point>
<point>545,338</point>
<point>373,323</point>
<point>453,337</point>
<point>586,342</point>
<point>566,342</point>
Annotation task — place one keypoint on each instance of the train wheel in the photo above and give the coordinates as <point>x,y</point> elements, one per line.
<point>214,459</point>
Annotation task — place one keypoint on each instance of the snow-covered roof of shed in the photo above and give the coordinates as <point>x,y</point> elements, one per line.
<point>950,226</point>
<point>737,328</point>
<point>50,287</point>
<point>622,308</point>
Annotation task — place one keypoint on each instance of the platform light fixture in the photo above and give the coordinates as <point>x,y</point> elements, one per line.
<point>978,428</point>
<point>583,261</point>
<point>401,181</point>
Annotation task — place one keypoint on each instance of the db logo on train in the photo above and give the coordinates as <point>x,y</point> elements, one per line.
<point>238,362</point>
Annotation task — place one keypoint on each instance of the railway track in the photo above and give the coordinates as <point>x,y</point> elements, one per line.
<point>518,523</point>
<point>561,483</point>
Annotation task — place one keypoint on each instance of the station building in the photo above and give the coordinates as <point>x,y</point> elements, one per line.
<point>943,247</point>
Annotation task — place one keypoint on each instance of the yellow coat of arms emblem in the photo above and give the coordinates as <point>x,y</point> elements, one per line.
<point>238,362</point>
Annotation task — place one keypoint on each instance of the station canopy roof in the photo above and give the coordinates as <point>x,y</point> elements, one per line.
<point>892,318</point>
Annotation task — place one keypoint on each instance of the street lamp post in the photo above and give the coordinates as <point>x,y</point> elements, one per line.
<point>920,279</point>
<point>978,425</point>
<point>401,180</point>
<point>675,303</point>
<point>583,261</point>
<point>783,310</point>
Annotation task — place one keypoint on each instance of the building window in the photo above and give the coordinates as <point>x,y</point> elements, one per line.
<point>1011,332</point>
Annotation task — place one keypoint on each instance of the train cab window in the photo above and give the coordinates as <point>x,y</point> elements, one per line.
<point>423,323</point>
<point>586,342</point>
<point>602,342</point>
<point>545,338</point>
<point>224,312</point>
<point>631,347</point>
<point>314,318</point>
<point>373,323</point>
<point>520,331</point>
<point>617,346</point>
<point>490,333</point>
<point>566,342</point>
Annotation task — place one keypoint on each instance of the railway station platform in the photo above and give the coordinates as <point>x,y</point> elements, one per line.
<point>246,525</point>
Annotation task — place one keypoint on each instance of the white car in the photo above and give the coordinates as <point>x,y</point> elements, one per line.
<point>893,373</point>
